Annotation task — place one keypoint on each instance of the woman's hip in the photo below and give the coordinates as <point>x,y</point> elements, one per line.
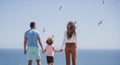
<point>70,46</point>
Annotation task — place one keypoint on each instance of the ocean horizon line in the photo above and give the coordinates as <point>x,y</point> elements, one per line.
<point>40,48</point>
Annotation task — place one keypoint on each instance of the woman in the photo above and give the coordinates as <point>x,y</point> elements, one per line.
<point>70,41</point>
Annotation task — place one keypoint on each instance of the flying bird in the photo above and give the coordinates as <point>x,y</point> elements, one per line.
<point>75,22</point>
<point>43,30</point>
<point>52,36</point>
<point>99,23</point>
<point>103,1</point>
<point>60,8</point>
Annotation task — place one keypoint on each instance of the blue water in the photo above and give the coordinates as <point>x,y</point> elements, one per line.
<point>84,57</point>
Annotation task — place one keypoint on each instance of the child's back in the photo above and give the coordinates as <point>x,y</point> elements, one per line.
<point>50,50</point>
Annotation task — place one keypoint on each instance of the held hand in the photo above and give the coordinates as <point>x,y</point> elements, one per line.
<point>61,50</point>
<point>42,51</point>
<point>24,52</point>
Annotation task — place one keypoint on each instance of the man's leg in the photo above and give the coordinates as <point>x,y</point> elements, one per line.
<point>38,62</point>
<point>29,62</point>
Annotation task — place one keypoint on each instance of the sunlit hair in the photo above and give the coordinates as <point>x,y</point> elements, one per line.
<point>70,29</point>
<point>50,41</point>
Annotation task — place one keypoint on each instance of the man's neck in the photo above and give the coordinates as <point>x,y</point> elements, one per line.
<point>33,28</point>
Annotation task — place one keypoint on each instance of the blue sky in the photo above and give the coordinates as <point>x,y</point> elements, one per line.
<point>16,15</point>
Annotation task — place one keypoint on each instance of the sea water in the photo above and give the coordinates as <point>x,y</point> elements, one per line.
<point>84,57</point>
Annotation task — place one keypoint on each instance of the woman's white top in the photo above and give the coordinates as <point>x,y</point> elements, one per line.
<point>73,39</point>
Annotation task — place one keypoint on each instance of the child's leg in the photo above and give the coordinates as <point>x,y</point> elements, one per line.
<point>29,62</point>
<point>38,62</point>
<point>49,63</point>
<point>52,63</point>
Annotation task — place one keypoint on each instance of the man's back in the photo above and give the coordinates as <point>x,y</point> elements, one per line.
<point>32,37</point>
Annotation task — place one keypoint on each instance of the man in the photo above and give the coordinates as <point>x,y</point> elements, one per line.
<point>31,40</point>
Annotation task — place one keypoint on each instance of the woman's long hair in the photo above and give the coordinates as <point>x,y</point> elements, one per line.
<point>70,29</point>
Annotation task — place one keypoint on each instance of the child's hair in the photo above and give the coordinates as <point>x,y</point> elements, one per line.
<point>50,41</point>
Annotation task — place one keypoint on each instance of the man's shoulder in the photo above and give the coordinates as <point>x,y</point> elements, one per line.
<point>27,31</point>
<point>36,31</point>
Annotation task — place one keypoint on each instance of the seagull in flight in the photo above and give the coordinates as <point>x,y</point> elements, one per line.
<point>60,8</point>
<point>103,1</point>
<point>99,23</point>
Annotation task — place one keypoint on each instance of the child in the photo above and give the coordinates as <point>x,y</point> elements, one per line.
<point>50,49</point>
